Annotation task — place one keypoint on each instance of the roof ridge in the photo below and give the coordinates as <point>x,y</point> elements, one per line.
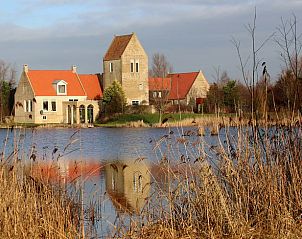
<point>175,73</point>
<point>79,79</point>
<point>48,70</point>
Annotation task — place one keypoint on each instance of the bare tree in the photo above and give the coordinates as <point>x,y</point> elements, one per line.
<point>160,66</point>
<point>159,97</point>
<point>289,41</point>
<point>250,66</point>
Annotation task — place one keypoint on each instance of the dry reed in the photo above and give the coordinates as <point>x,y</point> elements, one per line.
<point>252,189</point>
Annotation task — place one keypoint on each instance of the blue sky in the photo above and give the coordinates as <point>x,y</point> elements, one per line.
<point>193,34</point>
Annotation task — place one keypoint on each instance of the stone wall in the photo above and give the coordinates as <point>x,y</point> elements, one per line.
<point>24,93</point>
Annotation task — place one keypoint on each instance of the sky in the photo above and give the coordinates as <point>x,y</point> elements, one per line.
<point>193,34</point>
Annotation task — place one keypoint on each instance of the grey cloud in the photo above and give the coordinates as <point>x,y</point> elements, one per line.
<point>192,34</point>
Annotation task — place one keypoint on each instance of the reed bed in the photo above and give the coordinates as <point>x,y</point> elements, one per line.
<point>31,209</point>
<point>250,186</point>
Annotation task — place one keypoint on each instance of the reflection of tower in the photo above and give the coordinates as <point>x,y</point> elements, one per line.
<point>128,185</point>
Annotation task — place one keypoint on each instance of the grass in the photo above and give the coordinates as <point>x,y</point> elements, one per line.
<point>151,119</point>
<point>31,209</point>
<point>248,185</point>
<point>252,189</point>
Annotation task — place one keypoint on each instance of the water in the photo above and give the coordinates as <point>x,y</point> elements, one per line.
<point>113,166</point>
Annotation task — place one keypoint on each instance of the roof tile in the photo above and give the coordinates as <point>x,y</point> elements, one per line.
<point>181,84</point>
<point>117,47</point>
<point>42,82</point>
<point>92,86</point>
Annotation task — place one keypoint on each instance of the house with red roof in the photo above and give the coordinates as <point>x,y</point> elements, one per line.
<point>57,96</point>
<point>179,88</point>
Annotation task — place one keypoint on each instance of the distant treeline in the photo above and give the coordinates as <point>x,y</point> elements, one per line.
<point>232,96</point>
<point>7,89</point>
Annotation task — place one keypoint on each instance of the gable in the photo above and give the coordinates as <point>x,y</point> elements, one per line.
<point>134,48</point>
<point>117,47</point>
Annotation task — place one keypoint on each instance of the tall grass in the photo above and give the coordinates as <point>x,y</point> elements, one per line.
<point>30,208</point>
<point>251,188</point>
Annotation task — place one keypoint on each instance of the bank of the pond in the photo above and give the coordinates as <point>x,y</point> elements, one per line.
<point>169,120</point>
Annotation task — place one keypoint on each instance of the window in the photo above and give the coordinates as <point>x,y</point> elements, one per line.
<point>141,87</point>
<point>132,66</point>
<point>111,67</point>
<point>53,105</point>
<point>154,94</point>
<point>45,105</point>
<point>60,86</point>
<point>135,102</point>
<point>137,182</point>
<point>28,105</point>
<point>159,94</point>
<point>62,89</point>
<point>44,117</point>
<point>136,66</point>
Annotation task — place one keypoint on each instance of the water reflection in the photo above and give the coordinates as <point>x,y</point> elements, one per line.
<point>110,188</point>
<point>128,184</point>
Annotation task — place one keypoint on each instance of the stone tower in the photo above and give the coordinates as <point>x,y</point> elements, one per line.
<point>127,62</point>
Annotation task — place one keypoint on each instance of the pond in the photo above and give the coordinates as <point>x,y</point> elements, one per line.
<point>112,168</point>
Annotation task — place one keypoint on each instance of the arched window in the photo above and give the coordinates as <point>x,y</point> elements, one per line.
<point>82,113</point>
<point>90,113</point>
<point>137,182</point>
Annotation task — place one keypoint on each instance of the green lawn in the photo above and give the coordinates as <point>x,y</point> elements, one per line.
<point>149,118</point>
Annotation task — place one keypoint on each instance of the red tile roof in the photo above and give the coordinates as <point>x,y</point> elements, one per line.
<point>117,47</point>
<point>42,82</point>
<point>181,84</point>
<point>92,86</point>
<point>159,84</point>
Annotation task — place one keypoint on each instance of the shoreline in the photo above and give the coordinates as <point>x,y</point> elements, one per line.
<point>205,121</point>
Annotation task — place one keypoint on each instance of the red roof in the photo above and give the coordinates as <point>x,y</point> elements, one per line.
<point>117,47</point>
<point>92,86</point>
<point>42,82</point>
<point>181,84</point>
<point>159,84</point>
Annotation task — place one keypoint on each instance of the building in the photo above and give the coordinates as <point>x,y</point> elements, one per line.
<point>127,62</point>
<point>64,96</point>
<point>180,88</point>
<point>57,96</point>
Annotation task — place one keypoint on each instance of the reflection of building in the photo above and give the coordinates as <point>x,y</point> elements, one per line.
<point>58,96</point>
<point>128,185</point>
<point>66,170</point>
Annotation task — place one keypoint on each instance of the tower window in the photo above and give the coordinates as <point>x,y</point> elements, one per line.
<point>136,66</point>
<point>132,66</point>
<point>111,67</point>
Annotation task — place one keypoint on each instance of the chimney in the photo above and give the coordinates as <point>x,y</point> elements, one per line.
<point>74,69</point>
<point>25,68</point>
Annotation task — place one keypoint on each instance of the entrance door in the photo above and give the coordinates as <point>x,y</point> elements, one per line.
<point>90,113</point>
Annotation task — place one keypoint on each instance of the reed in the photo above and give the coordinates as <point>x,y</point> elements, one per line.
<point>31,209</point>
<point>251,188</point>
